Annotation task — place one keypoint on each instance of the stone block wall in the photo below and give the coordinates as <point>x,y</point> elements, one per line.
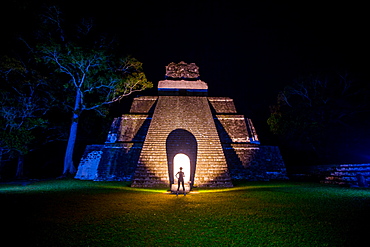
<point>348,175</point>
<point>222,105</point>
<point>234,128</point>
<point>109,162</point>
<point>118,162</point>
<point>143,104</point>
<point>88,167</point>
<point>256,163</point>
<point>336,174</point>
<point>133,127</point>
<point>118,158</point>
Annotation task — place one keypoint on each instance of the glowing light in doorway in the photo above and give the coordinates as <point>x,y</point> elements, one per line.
<point>181,160</point>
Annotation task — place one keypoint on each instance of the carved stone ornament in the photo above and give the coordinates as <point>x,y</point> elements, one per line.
<point>182,70</point>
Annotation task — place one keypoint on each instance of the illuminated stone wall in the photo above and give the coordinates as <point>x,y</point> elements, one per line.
<point>192,114</point>
<point>135,149</point>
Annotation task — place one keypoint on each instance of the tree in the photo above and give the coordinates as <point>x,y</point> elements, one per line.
<point>311,112</point>
<point>25,100</point>
<point>94,75</point>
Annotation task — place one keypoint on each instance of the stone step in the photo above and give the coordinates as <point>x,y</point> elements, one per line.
<point>145,171</point>
<point>215,171</point>
<point>216,184</point>
<point>200,159</point>
<point>346,174</point>
<point>149,178</point>
<point>201,148</point>
<point>164,134</point>
<point>163,176</point>
<point>350,173</point>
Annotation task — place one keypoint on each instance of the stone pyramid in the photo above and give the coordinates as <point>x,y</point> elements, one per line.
<point>219,144</point>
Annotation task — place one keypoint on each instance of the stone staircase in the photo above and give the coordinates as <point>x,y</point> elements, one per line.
<point>169,115</point>
<point>152,169</point>
<point>212,169</point>
<point>349,175</point>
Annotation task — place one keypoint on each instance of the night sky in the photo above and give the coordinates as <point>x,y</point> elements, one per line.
<point>246,50</point>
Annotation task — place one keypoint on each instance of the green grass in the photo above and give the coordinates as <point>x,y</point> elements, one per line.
<point>84,213</point>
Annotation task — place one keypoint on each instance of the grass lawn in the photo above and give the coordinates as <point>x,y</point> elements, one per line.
<point>85,213</point>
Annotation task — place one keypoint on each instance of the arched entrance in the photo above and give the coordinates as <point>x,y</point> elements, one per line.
<point>181,148</point>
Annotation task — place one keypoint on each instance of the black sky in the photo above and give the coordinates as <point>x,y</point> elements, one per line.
<point>246,50</point>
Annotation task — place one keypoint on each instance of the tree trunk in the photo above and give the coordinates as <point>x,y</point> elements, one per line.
<point>69,168</point>
<point>20,165</point>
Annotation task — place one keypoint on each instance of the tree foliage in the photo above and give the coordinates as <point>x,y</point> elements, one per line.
<point>94,75</point>
<point>66,66</point>
<point>309,112</point>
<point>25,99</point>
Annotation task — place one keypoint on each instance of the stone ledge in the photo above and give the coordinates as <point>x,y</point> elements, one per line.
<point>182,84</point>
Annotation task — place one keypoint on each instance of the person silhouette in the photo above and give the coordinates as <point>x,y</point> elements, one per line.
<point>180,179</point>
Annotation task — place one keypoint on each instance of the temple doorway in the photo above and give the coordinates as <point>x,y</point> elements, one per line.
<point>181,147</point>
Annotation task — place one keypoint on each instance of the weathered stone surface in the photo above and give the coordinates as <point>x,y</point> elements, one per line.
<point>337,174</point>
<point>133,127</point>
<point>182,84</point>
<point>361,180</point>
<point>222,105</point>
<point>88,168</point>
<point>143,104</point>
<point>234,126</point>
<point>182,70</point>
<point>347,174</point>
<point>255,162</point>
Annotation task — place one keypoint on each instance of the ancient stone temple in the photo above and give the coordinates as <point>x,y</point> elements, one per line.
<point>181,127</point>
